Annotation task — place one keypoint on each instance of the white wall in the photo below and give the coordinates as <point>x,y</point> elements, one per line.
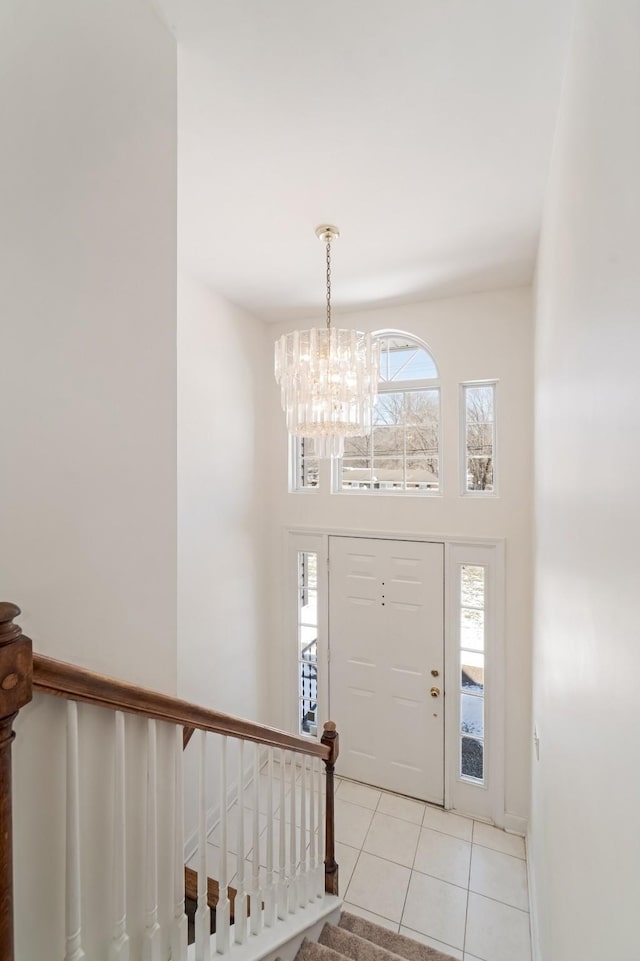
<point>584,844</point>
<point>87,405</point>
<point>223,633</point>
<point>87,244</point>
<point>480,336</point>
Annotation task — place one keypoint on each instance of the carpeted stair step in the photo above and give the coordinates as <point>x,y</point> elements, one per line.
<point>351,946</point>
<point>392,944</point>
<point>313,951</point>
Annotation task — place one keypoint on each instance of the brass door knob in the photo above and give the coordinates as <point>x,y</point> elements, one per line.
<point>435,692</point>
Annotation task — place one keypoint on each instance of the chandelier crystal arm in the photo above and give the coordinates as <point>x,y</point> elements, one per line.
<point>328,377</point>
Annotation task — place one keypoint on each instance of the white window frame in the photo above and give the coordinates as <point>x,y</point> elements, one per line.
<point>482,799</point>
<point>295,462</point>
<point>463,438</point>
<point>397,387</point>
<point>316,543</point>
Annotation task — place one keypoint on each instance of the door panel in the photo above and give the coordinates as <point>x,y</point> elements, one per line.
<point>385,637</point>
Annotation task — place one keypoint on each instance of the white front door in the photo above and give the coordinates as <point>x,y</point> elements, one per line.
<point>386,648</point>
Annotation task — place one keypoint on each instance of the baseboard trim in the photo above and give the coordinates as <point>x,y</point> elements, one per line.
<point>514,824</point>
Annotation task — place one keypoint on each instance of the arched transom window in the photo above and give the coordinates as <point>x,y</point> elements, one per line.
<point>402,451</point>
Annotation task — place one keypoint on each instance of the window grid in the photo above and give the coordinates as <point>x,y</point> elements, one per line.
<point>307,618</point>
<point>401,454</point>
<point>304,466</point>
<point>472,761</point>
<point>402,451</point>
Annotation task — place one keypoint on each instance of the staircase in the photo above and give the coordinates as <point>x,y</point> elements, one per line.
<point>360,940</point>
<point>268,795</point>
<point>285,894</point>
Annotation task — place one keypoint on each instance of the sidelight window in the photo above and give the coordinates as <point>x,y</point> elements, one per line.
<point>308,643</point>
<point>472,671</point>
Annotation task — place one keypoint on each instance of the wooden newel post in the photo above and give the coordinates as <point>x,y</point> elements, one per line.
<point>16,672</point>
<point>332,741</point>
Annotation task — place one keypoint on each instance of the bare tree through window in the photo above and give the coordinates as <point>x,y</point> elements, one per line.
<point>479,404</point>
<point>401,453</point>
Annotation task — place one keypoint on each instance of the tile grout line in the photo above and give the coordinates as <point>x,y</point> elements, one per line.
<point>415,854</point>
<point>357,859</point>
<point>412,870</point>
<point>362,851</point>
<point>497,851</point>
<point>505,904</point>
<point>466,913</point>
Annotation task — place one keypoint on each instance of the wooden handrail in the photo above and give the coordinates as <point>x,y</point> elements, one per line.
<point>78,684</point>
<point>21,672</point>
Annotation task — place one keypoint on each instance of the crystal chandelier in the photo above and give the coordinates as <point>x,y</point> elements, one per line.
<point>328,377</point>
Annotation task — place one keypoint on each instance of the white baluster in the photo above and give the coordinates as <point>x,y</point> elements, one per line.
<point>179,927</point>
<point>119,947</point>
<point>302,876</point>
<point>74,951</point>
<point>256,891</point>
<point>240,914</point>
<point>203,917</point>
<point>270,891</point>
<point>321,819</point>
<point>293,861</point>
<point>151,939</point>
<point>223,907</point>
<point>282,866</point>
<point>312,879</point>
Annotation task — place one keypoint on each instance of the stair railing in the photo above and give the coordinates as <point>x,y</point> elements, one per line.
<point>290,865</point>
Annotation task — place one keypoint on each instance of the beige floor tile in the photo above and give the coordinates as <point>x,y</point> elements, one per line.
<point>370,916</point>
<point>366,797</point>
<point>402,807</point>
<point>351,822</point>
<point>443,856</point>
<point>346,858</point>
<point>379,886</point>
<point>497,932</point>
<point>499,876</point>
<point>436,909</point>
<point>497,840</point>
<point>447,822</point>
<point>393,839</point>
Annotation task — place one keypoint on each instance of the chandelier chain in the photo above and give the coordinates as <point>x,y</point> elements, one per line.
<point>328,284</point>
<point>328,377</point>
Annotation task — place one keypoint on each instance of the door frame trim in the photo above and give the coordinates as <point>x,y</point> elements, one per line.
<point>438,743</point>
<point>494,791</point>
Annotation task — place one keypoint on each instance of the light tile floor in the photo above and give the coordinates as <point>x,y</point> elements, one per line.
<point>453,883</point>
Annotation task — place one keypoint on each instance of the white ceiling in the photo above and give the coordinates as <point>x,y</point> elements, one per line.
<point>422,128</point>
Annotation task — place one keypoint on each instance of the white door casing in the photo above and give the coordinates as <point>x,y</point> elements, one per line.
<point>386,637</point>
<point>486,801</point>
